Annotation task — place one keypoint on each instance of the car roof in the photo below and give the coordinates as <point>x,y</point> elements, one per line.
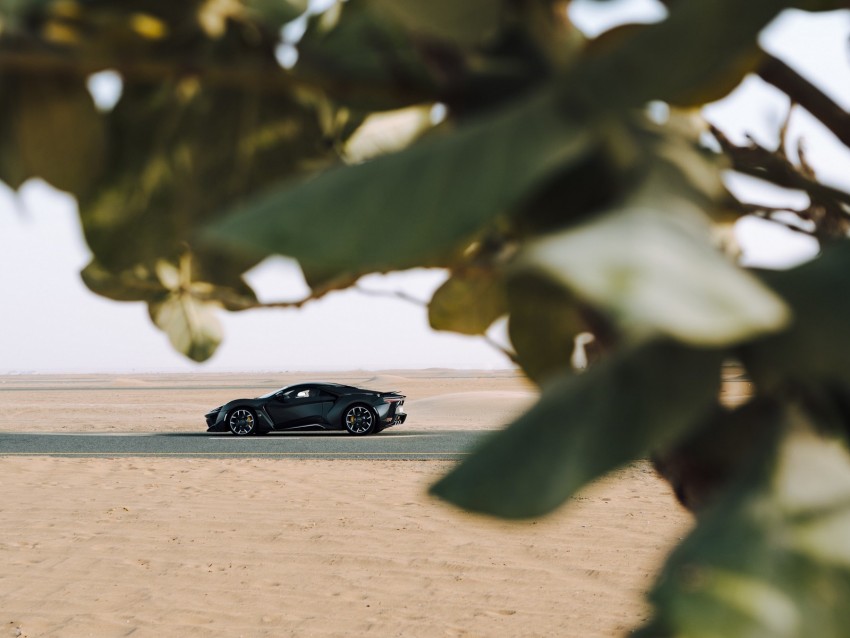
<point>325,384</point>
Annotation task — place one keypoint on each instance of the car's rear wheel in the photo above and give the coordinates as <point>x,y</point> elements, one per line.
<point>359,420</point>
<point>242,422</point>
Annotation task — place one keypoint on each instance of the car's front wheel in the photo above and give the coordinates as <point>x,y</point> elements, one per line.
<point>242,422</point>
<point>359,420</point>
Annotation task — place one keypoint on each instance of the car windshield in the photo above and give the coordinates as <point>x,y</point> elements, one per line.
<point>268,395</point>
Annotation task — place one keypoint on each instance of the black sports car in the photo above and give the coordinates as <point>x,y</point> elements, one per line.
<point>310,406</point>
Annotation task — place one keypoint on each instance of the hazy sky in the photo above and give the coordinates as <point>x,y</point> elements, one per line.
<point>52,323</point>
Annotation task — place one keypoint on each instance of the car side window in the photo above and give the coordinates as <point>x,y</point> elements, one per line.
<point>303,394</point>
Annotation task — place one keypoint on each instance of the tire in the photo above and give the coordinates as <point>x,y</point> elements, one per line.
<point>360,420</point>
<point>242,422</point>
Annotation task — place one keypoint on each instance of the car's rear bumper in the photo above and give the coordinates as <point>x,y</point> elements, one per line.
<point>391,412</point>
<point>394,419</point>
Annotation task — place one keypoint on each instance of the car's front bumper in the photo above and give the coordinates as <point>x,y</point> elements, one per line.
<point>215,421</point>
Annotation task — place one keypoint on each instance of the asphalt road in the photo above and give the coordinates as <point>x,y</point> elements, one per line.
<point>389,445</point>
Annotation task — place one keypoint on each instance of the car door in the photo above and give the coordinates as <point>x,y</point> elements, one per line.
<point>299,406</point>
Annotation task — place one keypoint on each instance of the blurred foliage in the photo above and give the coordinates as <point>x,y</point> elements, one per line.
<point>575,433</point>
<point>567,184</point>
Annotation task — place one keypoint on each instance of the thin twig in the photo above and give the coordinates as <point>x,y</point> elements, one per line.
<point>394,294</point>
<point>398,294</point>
<point>757,161</point>
<point>806,168</point>
<point>495,344</point>
<point>783,130</point>
<point>769,215</point>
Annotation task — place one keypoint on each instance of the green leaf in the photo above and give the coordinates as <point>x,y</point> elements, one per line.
<point>139,284</point>
<point>153,283</point>
<point>12,170</point>
<point>581,190</point>
<point>167,175</point>
<point>365,59</point>
<point>276,13</point>
<point>52,130</point>
<point>191,325</point>
<point>179,302</point>
<point>543,324</point>
<point>815,347</point>
<point>651,265</point>
<point>17,15</point>
<point>61,134</point>
<point>697,46</point>
<point>701,465</point>
<point>468,302</point>
<point>585,426</point>
<point>463,23</point>
<point>399,210</point>
<point>772,559</point>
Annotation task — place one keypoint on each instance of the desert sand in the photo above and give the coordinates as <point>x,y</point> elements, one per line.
<point>209,547</point>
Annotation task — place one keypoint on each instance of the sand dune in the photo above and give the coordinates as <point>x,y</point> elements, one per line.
<point>385,382</point>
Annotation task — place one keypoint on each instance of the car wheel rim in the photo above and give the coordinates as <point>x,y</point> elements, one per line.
<point>241,422</point>
<point>358,420</point>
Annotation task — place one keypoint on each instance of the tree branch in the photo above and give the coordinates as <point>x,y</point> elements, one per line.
<point>765,164</point>
<point>830,207</point>
<point>255,77</point>
<point>235,301</point>
<point>775,72</point>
